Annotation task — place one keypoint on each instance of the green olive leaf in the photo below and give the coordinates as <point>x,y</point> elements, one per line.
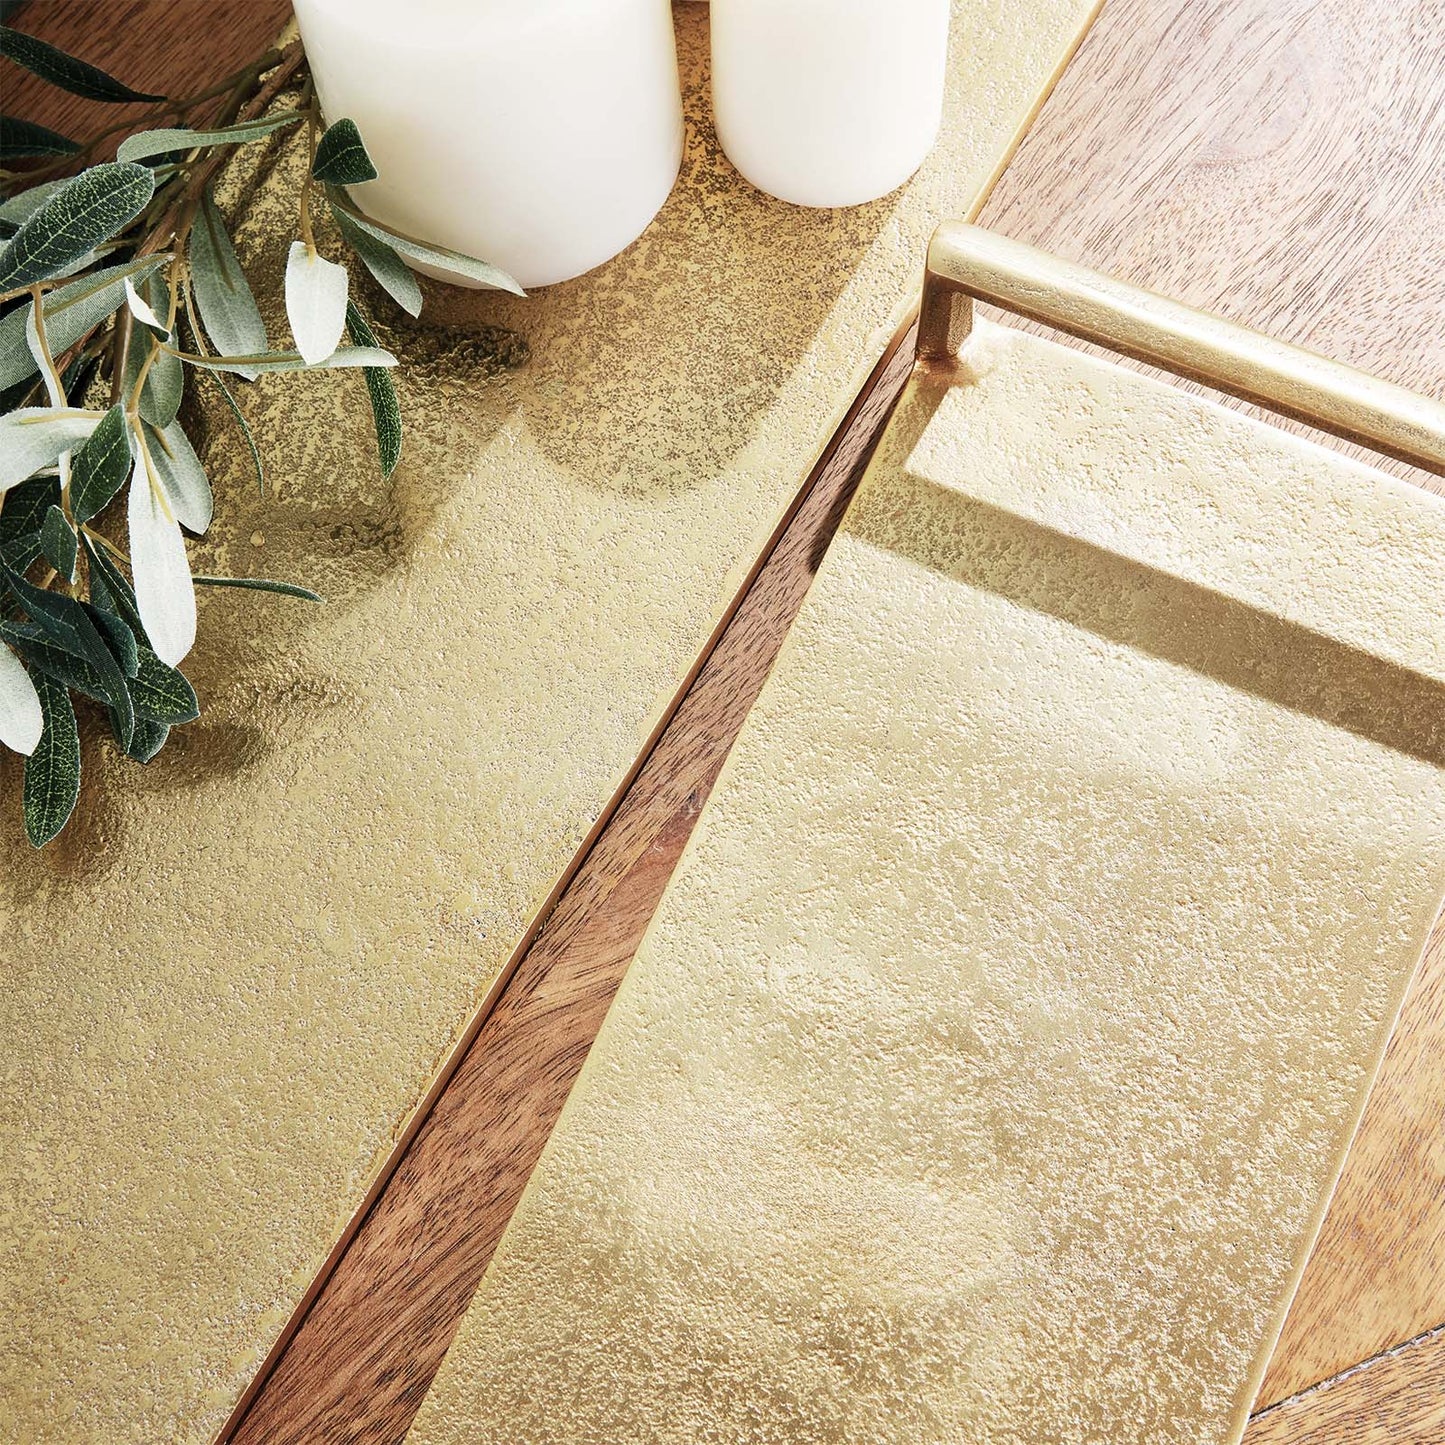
<point>100,467</point>
<point>85,211</point>
<point>23,138</point>
<point>385,409</point>
<point>261,584</point>
<point>66,625</point>
<point>23,508</point>
<point>59,544</point>
<point>148,739</point>
<point>118,637</point>
<point>52,771</point>
<point>110,590</point>
<point>67,71</point>
<point>160,693</point>
<point>341,158</point>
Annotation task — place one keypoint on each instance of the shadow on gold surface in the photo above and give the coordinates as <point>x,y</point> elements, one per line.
<point>988,1063</point>
<point>229,986</point>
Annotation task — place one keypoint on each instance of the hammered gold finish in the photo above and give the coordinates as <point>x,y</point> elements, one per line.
<point>228,986</point>
<point>986,1069</point>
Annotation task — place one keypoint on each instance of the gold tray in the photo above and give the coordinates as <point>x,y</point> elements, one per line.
<point>240,973</point>
<point>988,1065</point>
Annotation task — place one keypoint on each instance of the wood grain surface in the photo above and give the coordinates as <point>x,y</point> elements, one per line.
<point>1275,160</point>
<point>162,47</point>
<point>1395,1399</point>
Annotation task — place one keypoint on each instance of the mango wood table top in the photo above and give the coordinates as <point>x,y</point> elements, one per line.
<point>1275,160</point>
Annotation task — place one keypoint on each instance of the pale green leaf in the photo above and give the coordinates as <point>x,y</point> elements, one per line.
<point>160,397</point>
<point>315,302</point>
<point>158,563</point>
<point>141,310</point>
<point>293,361</point>
<point>21,720</point>
<point>34,437</point>
<point>24,204</point>
<point>397,279</point>
<point>429,255</point>
<point>228,309</point>
<point>148,143</point>
<point>181,475</point>
<point>71,312</point>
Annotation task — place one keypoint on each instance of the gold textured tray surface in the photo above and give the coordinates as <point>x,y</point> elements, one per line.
<point>988,1064</point>
<point>229,985</point>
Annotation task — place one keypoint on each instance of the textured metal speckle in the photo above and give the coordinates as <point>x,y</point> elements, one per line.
<point>990,1058</point>
<point>226,987</point>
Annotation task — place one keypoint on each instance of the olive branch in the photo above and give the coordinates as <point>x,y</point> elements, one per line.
<point>98,273</point>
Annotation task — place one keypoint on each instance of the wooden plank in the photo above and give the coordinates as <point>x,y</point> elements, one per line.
<point>361,1362</point>
<point>1395,1399</point>
<point>180,49</point>
<point>833,1108</point>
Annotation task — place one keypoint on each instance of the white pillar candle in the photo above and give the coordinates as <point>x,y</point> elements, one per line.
<point>828,102</point>
<point>538,135</point>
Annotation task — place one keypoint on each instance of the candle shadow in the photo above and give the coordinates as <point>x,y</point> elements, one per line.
<point>655,372</point>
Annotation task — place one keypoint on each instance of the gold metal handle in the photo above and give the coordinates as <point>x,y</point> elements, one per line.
<point>967,263</point>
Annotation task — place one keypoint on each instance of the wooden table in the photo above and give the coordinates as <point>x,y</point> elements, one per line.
<point>1278,161</point>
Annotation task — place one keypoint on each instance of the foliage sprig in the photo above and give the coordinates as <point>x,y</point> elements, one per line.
<point>99,271</point>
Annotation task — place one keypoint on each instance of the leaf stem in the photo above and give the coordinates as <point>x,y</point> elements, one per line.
<point>104,542</point>
<point>32,288</point>
<point>288,63</point>
<point>52,375</point>
<point>157,490</point>
<point>121,345</point>
<point>308,104</point>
